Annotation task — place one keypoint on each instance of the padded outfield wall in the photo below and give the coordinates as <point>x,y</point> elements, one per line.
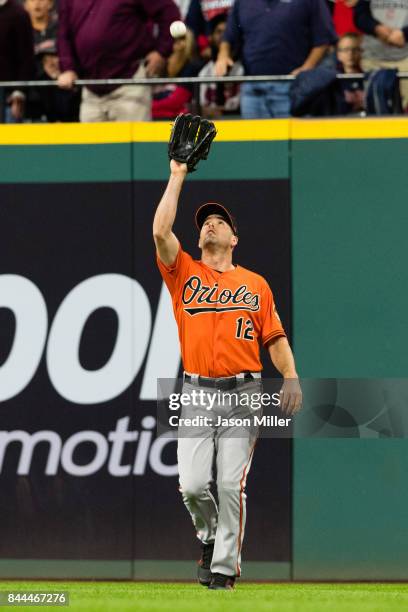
<point>350,299</point>
<point>86,327</point>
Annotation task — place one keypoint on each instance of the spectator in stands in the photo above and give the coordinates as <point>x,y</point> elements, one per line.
<point>349,53</point>
<point>51,104</point>
<point>16,55</point>
<point>104,39</point>
<point>48,103</point>
<point>171,100</point>
<point>198,19</point>
<point>385,45</point>
<point>218,99</point>
<point>44,23</point>
<point>276,38</point>
<point>351,92</point>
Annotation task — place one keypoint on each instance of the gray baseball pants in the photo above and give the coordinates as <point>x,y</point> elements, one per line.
<point>232,447</point>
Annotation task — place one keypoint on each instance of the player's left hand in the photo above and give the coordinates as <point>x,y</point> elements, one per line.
<point>190,140</point>
<point>290,396</point>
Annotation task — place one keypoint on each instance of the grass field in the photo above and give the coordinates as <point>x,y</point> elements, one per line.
<point>247,597</point>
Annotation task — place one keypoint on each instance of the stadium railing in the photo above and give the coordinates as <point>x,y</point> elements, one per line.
<point>194,81</point>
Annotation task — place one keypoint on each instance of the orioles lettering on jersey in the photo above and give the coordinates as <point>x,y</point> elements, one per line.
<point>195,292</point>
<point>221,316</point>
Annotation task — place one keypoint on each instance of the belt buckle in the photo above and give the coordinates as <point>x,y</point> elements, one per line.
<point>193,379</point>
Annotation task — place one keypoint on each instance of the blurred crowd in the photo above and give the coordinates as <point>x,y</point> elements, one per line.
<point>313,40</point>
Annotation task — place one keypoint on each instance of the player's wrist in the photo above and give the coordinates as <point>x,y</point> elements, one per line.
<point>178,174</point>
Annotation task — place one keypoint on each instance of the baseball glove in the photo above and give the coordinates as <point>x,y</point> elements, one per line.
<point>190,140</point>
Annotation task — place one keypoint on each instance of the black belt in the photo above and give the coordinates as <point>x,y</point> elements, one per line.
<point>225,383</point>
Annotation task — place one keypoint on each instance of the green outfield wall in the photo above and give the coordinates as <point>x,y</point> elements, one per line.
<point>349,299</point>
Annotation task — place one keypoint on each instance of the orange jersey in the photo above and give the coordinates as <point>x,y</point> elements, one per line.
<point>221,316</point>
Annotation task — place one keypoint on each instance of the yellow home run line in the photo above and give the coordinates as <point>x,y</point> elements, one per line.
<point>228,131</point>
<point>104,133</point>
<point>339,129</point>
<point>65,133</point>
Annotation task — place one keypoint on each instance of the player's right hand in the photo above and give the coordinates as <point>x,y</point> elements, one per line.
<point>177,167</point>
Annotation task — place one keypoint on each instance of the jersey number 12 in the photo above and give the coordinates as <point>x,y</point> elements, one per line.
<point>244,331</point>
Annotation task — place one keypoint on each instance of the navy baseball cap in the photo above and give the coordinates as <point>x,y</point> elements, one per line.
<point>212,208</point>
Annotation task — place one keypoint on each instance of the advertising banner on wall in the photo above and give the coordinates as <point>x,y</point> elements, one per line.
<point>86,328</point>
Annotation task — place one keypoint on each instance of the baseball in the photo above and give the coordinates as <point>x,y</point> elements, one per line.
<point>178,29</point>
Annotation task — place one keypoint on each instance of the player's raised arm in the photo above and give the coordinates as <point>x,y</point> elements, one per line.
<point>164,238</point>
<point>190,141</point>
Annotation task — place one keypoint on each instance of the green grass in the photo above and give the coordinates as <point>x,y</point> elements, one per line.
<point>247,597</point>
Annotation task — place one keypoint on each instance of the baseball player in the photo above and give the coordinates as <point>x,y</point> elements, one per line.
<point>222,311</point>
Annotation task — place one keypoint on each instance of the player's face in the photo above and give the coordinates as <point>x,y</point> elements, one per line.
<point>216,232</point>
